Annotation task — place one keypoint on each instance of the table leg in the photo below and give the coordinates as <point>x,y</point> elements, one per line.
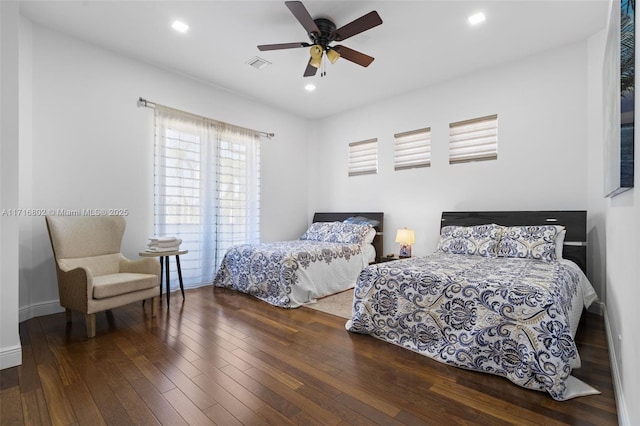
<point>166,266</point>
<point>161,274</point>
<point>180,275</point>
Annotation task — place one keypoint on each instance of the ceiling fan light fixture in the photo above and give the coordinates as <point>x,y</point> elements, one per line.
<point>332,55</point>
<point>316,51</point>
<point>316,61</point>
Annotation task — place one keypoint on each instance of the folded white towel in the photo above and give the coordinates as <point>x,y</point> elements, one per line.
<point>163,239</point>
<point>174,243</point>
<point>162,249</point>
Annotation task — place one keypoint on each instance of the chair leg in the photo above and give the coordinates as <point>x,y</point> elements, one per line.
<point>91,325</point>
<point>69,315</point>
<point>155,305</point>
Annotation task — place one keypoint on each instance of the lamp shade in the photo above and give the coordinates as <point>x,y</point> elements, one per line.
<point>316,51</point>
<point>332,55</point>
<point>405,236</point>
<point>316,61</point>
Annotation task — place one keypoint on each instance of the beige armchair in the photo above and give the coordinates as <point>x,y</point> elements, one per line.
<point>93,275</point>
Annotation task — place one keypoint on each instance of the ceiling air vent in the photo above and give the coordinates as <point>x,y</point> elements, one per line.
<point>258,63</point>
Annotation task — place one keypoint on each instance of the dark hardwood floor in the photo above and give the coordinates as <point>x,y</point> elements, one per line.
<point>225,358</point>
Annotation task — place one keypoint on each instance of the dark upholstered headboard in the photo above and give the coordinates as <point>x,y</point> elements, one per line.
<point>574,221</point>
<point>339,217</point>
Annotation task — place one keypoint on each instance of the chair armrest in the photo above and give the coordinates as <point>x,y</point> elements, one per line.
<point>75,286</point>
<point>145,265</point>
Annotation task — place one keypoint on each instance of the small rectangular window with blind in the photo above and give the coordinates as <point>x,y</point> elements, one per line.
<point>473,140</point>
<point>363,157</point>
<point>412,149</point>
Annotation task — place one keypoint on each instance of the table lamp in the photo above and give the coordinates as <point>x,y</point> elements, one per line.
<point>406,238</point>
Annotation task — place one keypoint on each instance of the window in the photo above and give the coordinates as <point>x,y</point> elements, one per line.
<point>363,157</point>
<point>473,140</point>
<point>206,190</point>
<point>412,149</point>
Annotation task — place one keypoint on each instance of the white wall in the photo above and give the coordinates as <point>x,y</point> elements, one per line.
<point>10,348</point>
<point>623,294</point>
<point>622,266</point>
<point>541,104</point>
<point>92,147</point>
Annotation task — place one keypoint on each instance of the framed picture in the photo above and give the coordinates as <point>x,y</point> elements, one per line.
<point>619,100</point>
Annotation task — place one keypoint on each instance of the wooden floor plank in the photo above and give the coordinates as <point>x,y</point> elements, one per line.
<point>220,416</point>
<point>221,357</point>
<point>216,379</point>
<point>135,406</point>
<point>34,408</point>
<point>191,390</point>
<point>187,409</point>
<point>83,404</point>
<point>60,408</point>
<point>11,406</point>
<point>236,407</point>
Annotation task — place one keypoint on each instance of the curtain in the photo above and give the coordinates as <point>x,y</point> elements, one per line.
<point>206,189</point>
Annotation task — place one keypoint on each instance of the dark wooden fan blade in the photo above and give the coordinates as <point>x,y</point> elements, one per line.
<point>311,70</point>
<point>303,16</point>
<point>264,47</point>
<point>363,23</point>
<point>354,56</point>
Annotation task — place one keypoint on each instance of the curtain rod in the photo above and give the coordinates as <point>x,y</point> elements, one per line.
<point>142,102</point>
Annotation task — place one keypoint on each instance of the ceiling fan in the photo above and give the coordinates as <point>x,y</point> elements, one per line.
<point>322,32</point>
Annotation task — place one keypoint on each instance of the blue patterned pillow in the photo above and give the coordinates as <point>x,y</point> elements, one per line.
<point>318,231</point>
<point>337,232</point>
<point>480,240</point>
<point>530,242</point>
<point>362,220</point>
<point>348,233</point>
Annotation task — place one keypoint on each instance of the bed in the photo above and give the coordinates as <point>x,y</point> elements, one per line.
<point>502,294</point>
<point>325,260</point>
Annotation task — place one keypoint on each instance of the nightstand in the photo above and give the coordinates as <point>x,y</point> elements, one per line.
<point>388,259</point>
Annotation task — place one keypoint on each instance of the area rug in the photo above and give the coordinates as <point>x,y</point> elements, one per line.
<point>338,304</point>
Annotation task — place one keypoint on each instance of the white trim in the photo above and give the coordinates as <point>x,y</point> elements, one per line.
<point>623,415</point>
<point>40,309</point>
<point>10,357</point>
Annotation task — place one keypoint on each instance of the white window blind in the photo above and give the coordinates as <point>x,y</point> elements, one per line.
<point>412,149</point>
<point>363,157</point>
<point>206,189</point>
<point>473,140</point>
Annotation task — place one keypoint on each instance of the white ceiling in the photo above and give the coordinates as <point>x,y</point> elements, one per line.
<point>420,43</point>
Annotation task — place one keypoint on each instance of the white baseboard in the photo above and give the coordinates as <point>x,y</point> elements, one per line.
<point>10,356</point>
<point>623,415</point>
<point>40,309</point>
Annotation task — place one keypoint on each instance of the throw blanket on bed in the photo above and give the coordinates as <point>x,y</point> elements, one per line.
<point>291,273</point>
<point>509,317</point>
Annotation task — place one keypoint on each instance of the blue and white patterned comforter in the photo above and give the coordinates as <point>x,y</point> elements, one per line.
<point>291,273</point>
<point>515,318</point>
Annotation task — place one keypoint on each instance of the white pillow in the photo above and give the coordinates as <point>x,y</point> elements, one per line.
<point>560,243</point>
<point>370,235</point>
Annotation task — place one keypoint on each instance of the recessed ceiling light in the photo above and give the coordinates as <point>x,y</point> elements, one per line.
<point>310,87</point>
<point>181,27</point>
<point>477,18</point>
